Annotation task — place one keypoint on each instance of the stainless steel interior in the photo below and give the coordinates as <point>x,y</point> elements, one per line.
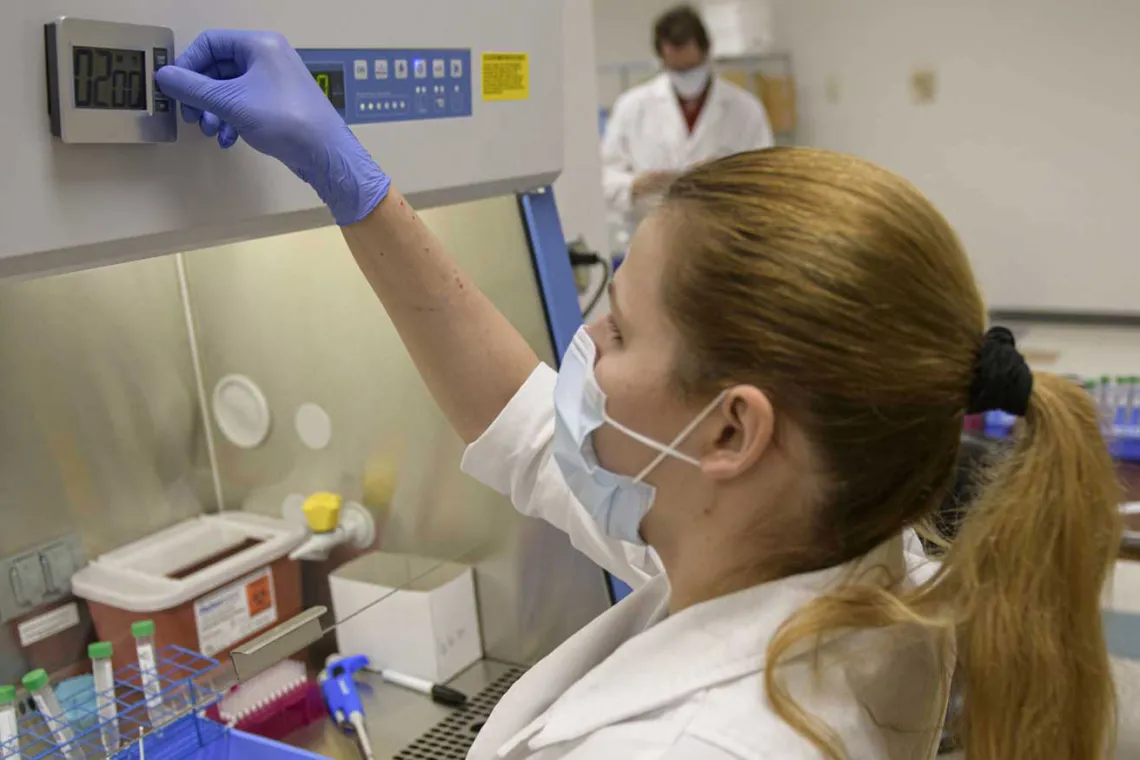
<point>294,314</point>
<point>100,428</point>
<point>102,432</point>
<point>403,725</point>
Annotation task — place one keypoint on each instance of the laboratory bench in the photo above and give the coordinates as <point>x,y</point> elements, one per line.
<point>406,725</point>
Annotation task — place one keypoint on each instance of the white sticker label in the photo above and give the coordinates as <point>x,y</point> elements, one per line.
<point>235,612</point>
<point>9,732</point>
<point>48,624</point>
<point>148,665</point>
<point>57,727</point>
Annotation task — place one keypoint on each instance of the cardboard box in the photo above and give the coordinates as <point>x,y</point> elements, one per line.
<point>427,624</point>
<point>778,94</point>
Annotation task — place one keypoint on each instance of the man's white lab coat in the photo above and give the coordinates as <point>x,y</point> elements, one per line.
<point>638,684</point>
<point>647,132</point>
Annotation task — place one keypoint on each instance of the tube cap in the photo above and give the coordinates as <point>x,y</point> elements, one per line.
<point>322,510</point>
<point>36,680</point>
<point>142,628</point>
<point>7,695</point>
<point>100,650</point>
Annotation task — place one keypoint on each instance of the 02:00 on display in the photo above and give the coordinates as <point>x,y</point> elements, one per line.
<point>107,78</point>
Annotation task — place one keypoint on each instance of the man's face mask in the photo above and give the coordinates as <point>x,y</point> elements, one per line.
<point>690,83</point>
<point>616,502</point>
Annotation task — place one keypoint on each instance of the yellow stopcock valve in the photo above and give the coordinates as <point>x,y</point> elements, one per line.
<point>322,510</point>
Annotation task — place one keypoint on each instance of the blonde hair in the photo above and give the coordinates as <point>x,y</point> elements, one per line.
<point>837,288</point>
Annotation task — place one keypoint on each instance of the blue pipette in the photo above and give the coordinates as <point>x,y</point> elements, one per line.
<point>342,697</point>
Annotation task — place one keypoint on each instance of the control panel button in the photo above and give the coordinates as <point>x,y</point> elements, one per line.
<point>161,58</point>
<point>58,565</point>
<point>456,67</point>
<point>438,68</point>
<point>360,68</point>
<point>421,68</point>
<point>380,68</point>
<point>401,68</point>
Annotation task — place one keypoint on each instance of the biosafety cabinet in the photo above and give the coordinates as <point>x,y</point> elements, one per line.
<point>457,100</point>
<point>145,274</point>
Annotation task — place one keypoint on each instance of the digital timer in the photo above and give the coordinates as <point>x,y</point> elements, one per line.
<point>101,82</point>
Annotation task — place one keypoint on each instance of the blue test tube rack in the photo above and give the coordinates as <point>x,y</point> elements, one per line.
<point>1123,440</point>
<point>1125,443</point>
<point>178,728</point>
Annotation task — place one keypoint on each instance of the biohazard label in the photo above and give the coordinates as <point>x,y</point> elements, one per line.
<point>235,612</point>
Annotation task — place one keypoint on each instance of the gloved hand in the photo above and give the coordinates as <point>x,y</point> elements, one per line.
<point>255,86</point>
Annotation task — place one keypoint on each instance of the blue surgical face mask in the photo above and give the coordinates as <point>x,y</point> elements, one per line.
<point>616,502</point>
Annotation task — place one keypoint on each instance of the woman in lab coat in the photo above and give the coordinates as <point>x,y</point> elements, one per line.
<point>770,416</point>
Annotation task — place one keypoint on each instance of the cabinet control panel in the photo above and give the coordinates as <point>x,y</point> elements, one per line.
<point>385,85</point>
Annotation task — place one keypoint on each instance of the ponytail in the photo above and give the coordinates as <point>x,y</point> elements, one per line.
<point>1024,579</point>
<point>1019,591</point>
<point>838,290</point>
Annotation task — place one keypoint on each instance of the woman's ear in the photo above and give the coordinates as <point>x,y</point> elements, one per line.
<point>747,424</point>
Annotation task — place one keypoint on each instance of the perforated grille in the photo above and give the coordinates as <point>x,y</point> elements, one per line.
<point>452,737</point>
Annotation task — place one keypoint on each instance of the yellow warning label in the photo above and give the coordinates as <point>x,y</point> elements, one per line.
<point>506,76</point>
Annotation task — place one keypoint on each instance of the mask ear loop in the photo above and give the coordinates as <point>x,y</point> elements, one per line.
<point>670,449</point>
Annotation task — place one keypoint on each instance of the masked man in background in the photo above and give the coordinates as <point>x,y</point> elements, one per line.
<point>683,116</point>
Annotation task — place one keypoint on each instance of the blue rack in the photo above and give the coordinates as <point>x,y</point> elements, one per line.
<point>176,729</point>
<point>1123,440</point>
<point>1125,443</point>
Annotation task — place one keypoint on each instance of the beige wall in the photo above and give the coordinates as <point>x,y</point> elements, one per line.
<point>579,188</point>
<point>1029,146</point>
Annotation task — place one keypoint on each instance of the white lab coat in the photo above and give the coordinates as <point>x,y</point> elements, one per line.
<point>638,684</point>
<point>646,131</point>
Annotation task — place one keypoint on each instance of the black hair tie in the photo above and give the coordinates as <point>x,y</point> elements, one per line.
<point>1002,378</point>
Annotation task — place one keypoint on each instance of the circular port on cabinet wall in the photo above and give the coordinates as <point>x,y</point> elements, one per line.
<point>241,411</point>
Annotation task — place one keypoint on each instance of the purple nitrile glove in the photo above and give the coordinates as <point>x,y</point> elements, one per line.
<point>255,86</point>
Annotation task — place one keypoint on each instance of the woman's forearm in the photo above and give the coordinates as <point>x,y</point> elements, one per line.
<point>472,359</point>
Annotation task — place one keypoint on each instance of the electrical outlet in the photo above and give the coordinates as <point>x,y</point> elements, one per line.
<point>27,580</point>
<point>39,576</point>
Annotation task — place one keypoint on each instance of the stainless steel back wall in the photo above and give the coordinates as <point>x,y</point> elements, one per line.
<point>295,315</point>
<point>99,425</point>
<point>100,432</point>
